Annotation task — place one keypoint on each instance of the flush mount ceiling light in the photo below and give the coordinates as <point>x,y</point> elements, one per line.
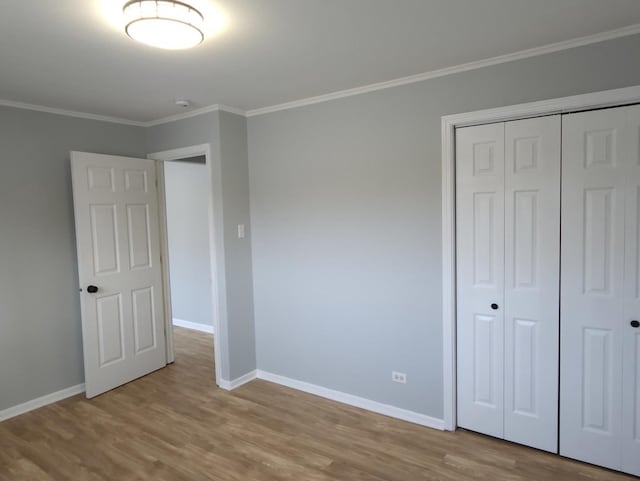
<point>163,23</point>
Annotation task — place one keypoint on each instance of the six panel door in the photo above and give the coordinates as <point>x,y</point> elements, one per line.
<point>480,277</point>
<point>508,221</point>
<point>600,348</point>
<point>595,146</point>
<point>532,282</point>
<point>631,336</point>
<point>118,242</point>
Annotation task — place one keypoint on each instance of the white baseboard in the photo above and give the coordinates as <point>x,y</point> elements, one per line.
<point>237,382</point>
<point>192,325</point>
<point>350,399</point>
<point>40,402</point>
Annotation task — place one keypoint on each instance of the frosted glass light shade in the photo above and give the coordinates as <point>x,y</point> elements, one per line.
<point>163,23</point>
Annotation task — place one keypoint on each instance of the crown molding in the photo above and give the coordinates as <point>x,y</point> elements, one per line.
<point>232,110</point>
<point>195,113</point>
<point>118,120</point>
<point>510,57</point>
<point>69,113</point>
<point>522,54</point>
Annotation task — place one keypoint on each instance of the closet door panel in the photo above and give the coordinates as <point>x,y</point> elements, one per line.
<point>631,336</point>
<point>532,276</point>
<point>595,148</point>
<point>480,277</point>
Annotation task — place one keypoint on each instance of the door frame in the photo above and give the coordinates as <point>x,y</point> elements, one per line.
<point>174,155</point>
<point>563,105</point>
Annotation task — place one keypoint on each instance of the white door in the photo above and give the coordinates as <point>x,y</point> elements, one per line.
<point>631,315</point>
<point>118,244</point>
<point>600,349</point>
<point>508,241</point>
<point>480,277</point>
<point>532,281</point>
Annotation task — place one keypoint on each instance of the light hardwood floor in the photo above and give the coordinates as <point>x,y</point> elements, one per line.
<point>176,425</point>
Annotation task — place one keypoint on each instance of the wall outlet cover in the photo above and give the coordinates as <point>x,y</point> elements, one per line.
<point>399,377</point>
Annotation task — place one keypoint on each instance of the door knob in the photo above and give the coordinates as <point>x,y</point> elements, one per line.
<point>635,323</point>
<point>92,289</point>
<point>494,306</point>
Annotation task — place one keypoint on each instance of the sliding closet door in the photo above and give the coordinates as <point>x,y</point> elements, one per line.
<point>532,281</point>
<point>631,329</point>
<point>480,277</point>
<point>596,149</point>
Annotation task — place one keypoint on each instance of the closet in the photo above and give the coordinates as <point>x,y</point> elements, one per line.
<point>548,283</point>
<point>600,300</point>
<point>508,252</point>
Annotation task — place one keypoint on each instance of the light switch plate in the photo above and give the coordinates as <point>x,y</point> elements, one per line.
<point>240,231</point>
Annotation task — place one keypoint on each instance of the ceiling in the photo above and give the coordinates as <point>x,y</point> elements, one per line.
<point>72,54</point>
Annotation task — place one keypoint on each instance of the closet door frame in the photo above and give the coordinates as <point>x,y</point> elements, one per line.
<point>564,105</point>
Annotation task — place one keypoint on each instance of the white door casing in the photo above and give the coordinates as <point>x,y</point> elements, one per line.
<point>118,245</point>
<point>532,278</point>
<point>480,277</point>
<point>596,146</point>
<point>508,241</point>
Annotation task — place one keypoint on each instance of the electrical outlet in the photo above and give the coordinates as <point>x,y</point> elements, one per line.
<point>240,231</point>
<point>399,377</point>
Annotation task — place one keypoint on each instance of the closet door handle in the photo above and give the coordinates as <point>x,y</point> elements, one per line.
<point>494,306</point>
<point>635,324</point>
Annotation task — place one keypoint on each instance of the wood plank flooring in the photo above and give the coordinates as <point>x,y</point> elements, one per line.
<point>175,425</point>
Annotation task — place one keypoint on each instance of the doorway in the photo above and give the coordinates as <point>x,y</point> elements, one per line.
<point>175,169</point>
<point>185,197</point>
<point>186,192</point>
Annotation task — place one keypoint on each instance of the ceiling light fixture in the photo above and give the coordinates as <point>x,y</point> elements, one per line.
<point>164,24</point>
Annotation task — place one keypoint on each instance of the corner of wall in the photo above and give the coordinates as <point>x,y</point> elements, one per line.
<point>234,162</point>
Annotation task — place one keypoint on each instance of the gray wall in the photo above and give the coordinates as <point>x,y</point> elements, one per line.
<point>40,327</point>
<point>229,168</point>
<point>239,273</point>
<point>345,228</point>
<point>40,331</point>
<point>187,201</point>
<point>346,220</point>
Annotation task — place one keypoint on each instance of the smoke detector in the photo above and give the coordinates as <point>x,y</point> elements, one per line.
<point>184,103</point>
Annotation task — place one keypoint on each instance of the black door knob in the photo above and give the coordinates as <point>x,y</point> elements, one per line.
<point>494,306</point>
<point>92,289</point>
<point>635,323</point>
